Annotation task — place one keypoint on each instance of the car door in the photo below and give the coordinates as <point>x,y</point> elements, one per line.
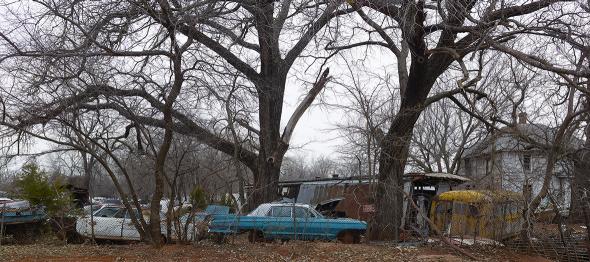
<point>280,222</point>
<point>305,224</point>
<point>108,223</point>
<point>129,231</point>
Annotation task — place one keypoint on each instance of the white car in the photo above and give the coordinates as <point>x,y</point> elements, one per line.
<point>114,223</point>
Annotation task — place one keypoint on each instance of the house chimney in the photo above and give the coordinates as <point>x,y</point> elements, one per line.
<point>522,118</point>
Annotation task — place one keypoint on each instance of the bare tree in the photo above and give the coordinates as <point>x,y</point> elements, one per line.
<point>365,104</point>
<point>243,36</point>
<point>435,35</point>
<point>441,136</point>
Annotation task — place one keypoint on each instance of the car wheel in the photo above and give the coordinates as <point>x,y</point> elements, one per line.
<point>255,236</point>
<point>219,238</point>
<point>349,237</point>
<point>356,238</point>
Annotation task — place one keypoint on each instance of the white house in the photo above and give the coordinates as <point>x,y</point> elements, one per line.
<point>514,160</point>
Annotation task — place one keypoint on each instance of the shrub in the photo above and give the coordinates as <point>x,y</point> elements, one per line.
<point>198,198</point>
<point>34,185</point>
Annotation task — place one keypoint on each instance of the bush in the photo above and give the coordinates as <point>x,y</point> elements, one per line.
<point>34,185</point>
<point>199,198</point>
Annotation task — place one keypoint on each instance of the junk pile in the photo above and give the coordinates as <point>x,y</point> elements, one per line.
<point>19,220</point>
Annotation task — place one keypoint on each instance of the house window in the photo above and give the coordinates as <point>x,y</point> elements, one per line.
<point>468,167</point>
<point>489,165</point>
<point>526,163</point>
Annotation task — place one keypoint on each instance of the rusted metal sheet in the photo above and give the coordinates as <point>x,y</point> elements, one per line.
<point>356,194</point>
<point>355,201</point>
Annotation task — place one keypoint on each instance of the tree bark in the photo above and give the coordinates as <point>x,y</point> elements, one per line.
<point>396,143</point>
<point>272,150</point>
<point>580,187</point>
<point>580,183</point>
<point>392,162</point>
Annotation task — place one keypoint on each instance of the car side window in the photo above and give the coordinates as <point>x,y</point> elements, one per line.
<point>107,212</point>
<point>301,212</point>
<point>127,215</point>
<point>280,211</point>
<point>120,213</point>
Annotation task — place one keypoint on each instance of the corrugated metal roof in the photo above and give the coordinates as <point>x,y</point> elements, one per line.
<point>326,180</point>
<point>441,176</point>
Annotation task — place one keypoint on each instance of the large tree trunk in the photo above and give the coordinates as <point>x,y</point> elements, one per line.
<point>155,220</point>
<point>580,187</point>
<point>162,154</point>
<point>392,162</point>
<point>154,223</point>
<point>396,143</point>
<point>579,212</point>
<point>272,151</point>
<point>271,89</point>
<point>266,185</point>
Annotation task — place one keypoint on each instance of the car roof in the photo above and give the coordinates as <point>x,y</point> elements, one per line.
<point>111,206</point>
<point>263,209</point>
<point>288,204</point>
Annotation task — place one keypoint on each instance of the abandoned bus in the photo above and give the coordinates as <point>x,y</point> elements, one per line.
<point>478,213</point>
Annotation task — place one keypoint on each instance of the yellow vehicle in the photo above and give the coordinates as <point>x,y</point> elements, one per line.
<point>478,213</point>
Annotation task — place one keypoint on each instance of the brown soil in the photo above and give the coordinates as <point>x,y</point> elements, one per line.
<point>239,249</point>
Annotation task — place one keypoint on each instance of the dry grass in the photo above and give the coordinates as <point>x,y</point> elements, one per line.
<point>240,250</point>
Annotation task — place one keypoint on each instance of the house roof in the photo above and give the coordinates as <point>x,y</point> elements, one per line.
<point>519,137</point>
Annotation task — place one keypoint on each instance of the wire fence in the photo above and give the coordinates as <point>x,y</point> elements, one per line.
<point>109,223</point>
<point>115,224</point>
<point>479,218</point>
<point>462,218</point>
<point>563,242</point>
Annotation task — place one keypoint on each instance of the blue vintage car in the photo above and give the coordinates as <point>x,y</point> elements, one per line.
<point>288,221</point>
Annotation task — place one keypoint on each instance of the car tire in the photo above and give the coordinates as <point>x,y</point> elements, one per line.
<point>349,237</point>
<point>219,238</point>
<point>255,236</point>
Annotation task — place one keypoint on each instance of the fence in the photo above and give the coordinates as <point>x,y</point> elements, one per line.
<point>495,218</point>
<point>115,223</point>
<point>563,242</point>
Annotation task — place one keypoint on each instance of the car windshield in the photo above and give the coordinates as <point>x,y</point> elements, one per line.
<point>91,209</point>
<point>109,212</point>
<point>316,213</point>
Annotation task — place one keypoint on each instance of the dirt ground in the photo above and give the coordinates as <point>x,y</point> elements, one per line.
<point>240,250</point>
